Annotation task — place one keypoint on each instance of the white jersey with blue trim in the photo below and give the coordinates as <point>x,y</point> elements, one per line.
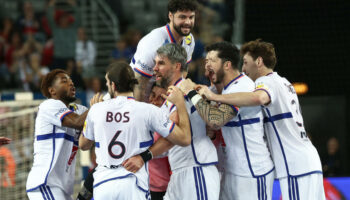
<point>143,60</point>
<point>55,147</point>
<point>246,146</point>
<point>121,128</point>
<point>202,151</point>
<point>291,149</point>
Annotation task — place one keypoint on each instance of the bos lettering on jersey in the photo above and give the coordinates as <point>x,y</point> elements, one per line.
<point>117,117</point>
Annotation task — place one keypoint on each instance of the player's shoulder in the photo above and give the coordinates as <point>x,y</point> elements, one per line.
<point>51,103</point>
<point>155,37</point>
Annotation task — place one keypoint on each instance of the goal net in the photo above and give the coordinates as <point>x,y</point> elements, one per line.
<point>17,120</point>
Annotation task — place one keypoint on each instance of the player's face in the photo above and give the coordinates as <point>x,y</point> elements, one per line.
<point>64,88</point>
<point>214,67</point>
<point>250,68</point>
<point>109,86</point>
<point>164,70</point>
<point>182,21</point>
<point>155,97</point>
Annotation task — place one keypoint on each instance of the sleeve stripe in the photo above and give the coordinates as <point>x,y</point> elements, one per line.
<point>235,108</point>
<point>65,114</point>
<point>189,61</point>
<point>172,127</point>
<point>142,73</point>
<point>265,91</point>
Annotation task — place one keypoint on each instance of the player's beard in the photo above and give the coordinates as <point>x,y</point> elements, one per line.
<point>219,75</point>
<point>68,99</point>
<point>178,29</point>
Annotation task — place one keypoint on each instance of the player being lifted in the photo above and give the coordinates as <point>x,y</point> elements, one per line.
<point>121,128</point>
<point>181,18</point>
<point>297,163</point>
<point>57,128</point>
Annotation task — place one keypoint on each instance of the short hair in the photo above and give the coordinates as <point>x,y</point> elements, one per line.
<point>122,75</point>
<point>181,5</point>
<point>175,53</point>
<point>263,49</point>
<point>226,52</point>
<point>48,81</point>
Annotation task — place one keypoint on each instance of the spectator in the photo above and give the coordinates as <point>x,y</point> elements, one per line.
<point>74,72</point>
<point>85,54</point>
<point>64,33</point>
<point>331,163</point>
<point>29,22</point>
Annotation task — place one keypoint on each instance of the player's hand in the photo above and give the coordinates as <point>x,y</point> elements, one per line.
<point>4,140</point>
<point>187,85</point>
<point>205,92</point>
<point>133,164</point>
<point>98,97</point>
<point>175,95</point>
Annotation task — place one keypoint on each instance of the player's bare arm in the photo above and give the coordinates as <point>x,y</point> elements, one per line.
<point>84,143</point>
<point>141,88</point>
<point>181,134</point>
<point>256,98</point>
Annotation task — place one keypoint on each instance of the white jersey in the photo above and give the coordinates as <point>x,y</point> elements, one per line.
<point>202,151</point>
<point>143,60</point>
<point>121,128</point>
<point>55,147</point>
<point>246,147</point>
<point>291,149</point>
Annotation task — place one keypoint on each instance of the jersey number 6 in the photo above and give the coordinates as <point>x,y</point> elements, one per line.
<point>115,142</point>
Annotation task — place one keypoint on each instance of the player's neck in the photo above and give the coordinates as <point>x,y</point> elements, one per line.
<point>175,78</point>
<point>231,76</point>
<point>265,71</point>
<point>124,94</point>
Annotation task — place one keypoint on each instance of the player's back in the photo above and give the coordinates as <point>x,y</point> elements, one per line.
<point>246,148</point>
<point>122,129</point>
<point>291,149</point>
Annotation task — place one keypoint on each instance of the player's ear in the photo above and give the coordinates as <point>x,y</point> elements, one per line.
<point>52,91</point>
<point>170,15</point>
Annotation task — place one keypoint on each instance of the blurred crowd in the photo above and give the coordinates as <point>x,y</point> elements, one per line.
<point>37,42</point>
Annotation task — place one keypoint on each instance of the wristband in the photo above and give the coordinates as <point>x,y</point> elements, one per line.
<point>191,94</point>
<point>146,155</point>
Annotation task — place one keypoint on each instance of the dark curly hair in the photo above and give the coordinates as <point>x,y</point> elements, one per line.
<point>181,5</point>
<point>48,81</point>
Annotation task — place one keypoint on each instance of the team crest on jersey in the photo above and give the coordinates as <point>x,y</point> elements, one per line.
<point>188,40</point>
<point>261,86</point>
<point>73,107</point>
<point>84,128</point>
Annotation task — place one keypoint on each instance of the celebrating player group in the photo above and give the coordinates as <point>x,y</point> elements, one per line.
<point>257,112</point>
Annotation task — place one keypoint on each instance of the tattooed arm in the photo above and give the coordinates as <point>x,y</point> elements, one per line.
<point>215,117</point>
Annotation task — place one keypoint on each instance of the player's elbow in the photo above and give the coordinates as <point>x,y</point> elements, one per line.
<point>185,141</point>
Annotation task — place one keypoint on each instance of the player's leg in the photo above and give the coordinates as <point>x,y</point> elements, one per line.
<point>194,183</point>
<point>124,188</point>
<point>48,193</point>
<point>303,188</point>
<point>246,188</point>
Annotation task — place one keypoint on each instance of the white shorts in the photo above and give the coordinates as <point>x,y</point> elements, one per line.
<point>194,183</point>
<point>121,188</point>
<point>48,193</point>
<point>246,188</point>
<point>303,188</point>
